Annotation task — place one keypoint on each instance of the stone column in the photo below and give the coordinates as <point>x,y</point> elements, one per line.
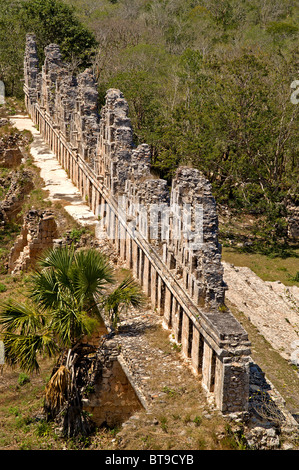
<point>112,227</point>
<point>154,287</point>
<point>197,351</point>
<point>135,258</point>
<point>175,319</point>
<point>122,241</point>
<point>141,266</point>
<point>129,260</point>
<point>231,385</point>
<point>117,235</point>
<point>185,335</point>
<point>207,372</point>
<point>147,276</point>
<point>168,308</point>
<point>161,296</point>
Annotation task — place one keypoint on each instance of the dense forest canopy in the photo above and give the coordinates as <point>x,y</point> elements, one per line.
<point>51,21</point>
<point>208,84</point>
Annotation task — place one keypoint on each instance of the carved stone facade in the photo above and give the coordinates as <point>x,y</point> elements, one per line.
<point>168,238</point>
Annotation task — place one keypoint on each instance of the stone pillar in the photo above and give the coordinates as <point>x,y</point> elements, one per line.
<point>175,319</point>
<point>147,276</point>
<point>129,259</point>
<point>122,241</point>
<point>118,236</point>
<point>168,308</point>
<point>135,258</point>
<point>141,266</point>
<point>154,287</point>
<point>207,367</point>
<point>161,296</point>
<point>231,385</point>
<point>113,227</point>
<point>197,351</point>
<point>186,335</point>
<point>94,200</point>
<point>103,214</point>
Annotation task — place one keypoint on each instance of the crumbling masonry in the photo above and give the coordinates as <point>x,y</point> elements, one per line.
<point>37,234</point>
<point>178,265</point>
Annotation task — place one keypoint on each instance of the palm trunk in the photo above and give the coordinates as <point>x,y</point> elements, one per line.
<point>63,400</point>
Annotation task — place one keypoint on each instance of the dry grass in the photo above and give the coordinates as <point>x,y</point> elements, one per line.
<point>282,374</point>
<point>20,407</point>
<point>268,269</point>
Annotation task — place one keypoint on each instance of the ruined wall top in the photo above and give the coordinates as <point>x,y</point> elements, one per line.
<point>104,139</point>
<point>31,67</point>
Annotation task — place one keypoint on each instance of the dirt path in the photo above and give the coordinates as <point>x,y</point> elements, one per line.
<point>57,183</point>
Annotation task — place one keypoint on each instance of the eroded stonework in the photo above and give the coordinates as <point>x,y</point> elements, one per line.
<point>168,237</point>
<point>37,234</point>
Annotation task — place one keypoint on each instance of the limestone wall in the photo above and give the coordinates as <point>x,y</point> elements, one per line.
<point>113,398</point>
<point>37,234</point>
<point>168,237</point>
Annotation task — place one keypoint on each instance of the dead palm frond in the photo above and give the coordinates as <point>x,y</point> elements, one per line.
<point>57,390</point>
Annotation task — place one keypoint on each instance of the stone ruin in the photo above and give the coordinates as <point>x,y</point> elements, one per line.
<point>19,184</point>
<point>37,234</point>
<point>11,155</point>
<point>168,238</point>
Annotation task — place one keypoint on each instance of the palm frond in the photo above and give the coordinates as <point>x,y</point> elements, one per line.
<point>60,260</point>
<point>91,273</point>
<point>127,293</point>
<point>44,289</point>
<point>24,349</point>
<point>20,318</point>
<point>70,325</point>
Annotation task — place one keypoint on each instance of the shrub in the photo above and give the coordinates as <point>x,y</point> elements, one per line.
<point>23,379</point>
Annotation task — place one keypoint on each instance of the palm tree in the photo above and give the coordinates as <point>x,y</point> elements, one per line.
<point>67,294</point>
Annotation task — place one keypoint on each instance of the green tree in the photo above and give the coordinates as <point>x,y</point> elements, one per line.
<point>12,43</point>
<point>63,300</point>
<point>52,22</point>
<point>66,297</point>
